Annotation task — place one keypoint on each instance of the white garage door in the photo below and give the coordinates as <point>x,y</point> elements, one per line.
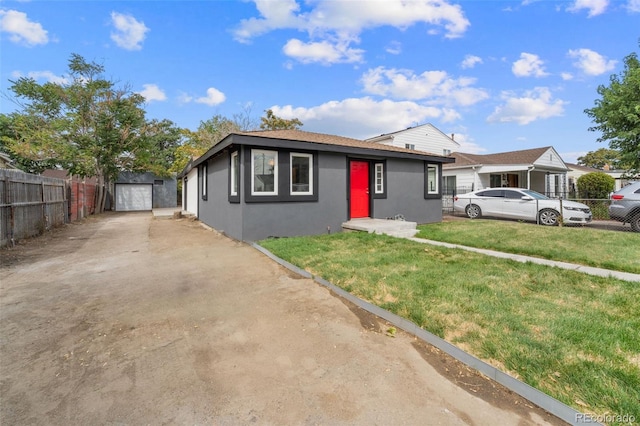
<point>134,197</point>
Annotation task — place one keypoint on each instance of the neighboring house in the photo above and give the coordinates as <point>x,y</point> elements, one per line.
<point>189,178</point>
<point>254,185</point>
<point>621,177</point>
<point>144,191</point>
<point>539,169</point>
<point>575,171</point>
<point>426,138</point>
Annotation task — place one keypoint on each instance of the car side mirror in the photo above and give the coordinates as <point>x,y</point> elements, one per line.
<point>527,198</point>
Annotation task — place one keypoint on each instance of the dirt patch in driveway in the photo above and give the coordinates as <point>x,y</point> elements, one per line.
<point>125,319</point>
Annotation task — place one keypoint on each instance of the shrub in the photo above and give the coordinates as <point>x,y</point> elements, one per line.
<point>595,185</point>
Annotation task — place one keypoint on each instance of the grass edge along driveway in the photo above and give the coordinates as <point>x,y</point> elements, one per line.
<point>573,336</point>
<point>618,251</point>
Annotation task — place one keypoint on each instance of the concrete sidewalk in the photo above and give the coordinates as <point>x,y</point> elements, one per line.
<point>524,259</point>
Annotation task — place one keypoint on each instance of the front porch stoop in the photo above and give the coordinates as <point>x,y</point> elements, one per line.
<point>394,228</point>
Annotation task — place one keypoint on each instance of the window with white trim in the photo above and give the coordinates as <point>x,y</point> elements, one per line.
<point>379,178</point>
<point>432,179</point>
<point>235,173</point>
<point>301,174</point>
<point>264,172</point>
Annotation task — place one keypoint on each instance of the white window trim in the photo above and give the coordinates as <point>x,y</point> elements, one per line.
<point>437,190</point>
<point>204,180</point>
<point>234,173</point>
<point>379,171</point>
<point>310,157</point>
<point>253,170</point>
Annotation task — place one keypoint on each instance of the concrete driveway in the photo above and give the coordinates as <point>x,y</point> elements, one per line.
<point>126,319</point>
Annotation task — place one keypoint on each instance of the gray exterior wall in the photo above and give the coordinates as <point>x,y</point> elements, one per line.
<point>216,211</point>
<point>256,221</point>
<point>164,196</point>
<point>288,219</point>
<point>405,194</point>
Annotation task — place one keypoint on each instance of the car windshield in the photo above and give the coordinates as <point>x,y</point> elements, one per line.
<point>535,195</point>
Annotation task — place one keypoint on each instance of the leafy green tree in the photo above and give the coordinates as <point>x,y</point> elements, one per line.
<point>209,133</point>
<point>9,133</point>
<point>596,185</point>
<point>272,122</point>
<point>617,113</point>
<point>161,139</point>
<point>87,126</point>
<point>602,157</point>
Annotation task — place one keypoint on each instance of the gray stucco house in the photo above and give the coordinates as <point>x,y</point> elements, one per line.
<point>277,183</point>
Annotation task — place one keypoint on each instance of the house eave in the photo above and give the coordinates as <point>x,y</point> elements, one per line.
<point>249,140</point>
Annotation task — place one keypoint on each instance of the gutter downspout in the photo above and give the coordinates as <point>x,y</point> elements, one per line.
<point>529,170</point>
<point>475,175</point>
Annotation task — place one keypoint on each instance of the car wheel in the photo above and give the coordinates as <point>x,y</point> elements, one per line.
<point>548,217</point>
<point>473,211</point>
<point>635,222</point>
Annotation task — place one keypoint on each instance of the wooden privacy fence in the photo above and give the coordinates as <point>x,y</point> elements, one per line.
<point>29,205</point>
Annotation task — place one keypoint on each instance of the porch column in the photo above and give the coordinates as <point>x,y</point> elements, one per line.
<point>547,184</point>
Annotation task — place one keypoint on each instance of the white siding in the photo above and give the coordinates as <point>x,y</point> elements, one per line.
<point>425,138</point>
<point>190,196</point>
<point>550,159</point>
<point>465,178</point>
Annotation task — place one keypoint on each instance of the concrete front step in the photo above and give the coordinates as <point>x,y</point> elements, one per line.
<point>394,228</point>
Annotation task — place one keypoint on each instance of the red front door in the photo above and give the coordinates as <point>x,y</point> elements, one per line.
<point>359,178</point>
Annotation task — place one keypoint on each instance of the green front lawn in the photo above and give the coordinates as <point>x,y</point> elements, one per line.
<point>571,335</point>
<point>619,251</point>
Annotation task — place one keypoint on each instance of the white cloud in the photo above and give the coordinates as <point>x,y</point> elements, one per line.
<point>363,117</point>
<point>47,76</point>
<point>22,30</point>
<point>152,92</point>
<point>590,62</point>
<point>534,105</point>
<point>341,22</point>
<point>214,97</point>
<point>130,33</point>
<point>433,86</point>
<point>184,98</point>
<point>323,52</point>
<point>595,7</point>
<point>467,144</point>
<point>633,6</point>
<point>566,76</point>
<point>395,47</point>
<point>470,61</point>
<point>529,65</point>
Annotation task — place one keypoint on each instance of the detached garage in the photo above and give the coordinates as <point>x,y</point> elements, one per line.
<point>144,192</point>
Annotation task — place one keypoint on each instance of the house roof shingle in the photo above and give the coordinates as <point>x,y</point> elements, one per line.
<point>324,142</point>
<point>321,138</point>
<point>526,156</point>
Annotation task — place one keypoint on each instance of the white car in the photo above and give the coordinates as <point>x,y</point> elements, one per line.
<point>522,204</point>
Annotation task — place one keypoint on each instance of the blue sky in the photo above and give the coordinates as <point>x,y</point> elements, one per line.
<point>500,75</point>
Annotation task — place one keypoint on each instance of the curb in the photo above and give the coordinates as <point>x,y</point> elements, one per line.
<point>541,399</point>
